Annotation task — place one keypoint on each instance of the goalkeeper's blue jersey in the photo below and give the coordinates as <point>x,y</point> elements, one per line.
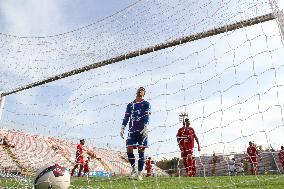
<point>137,114</point>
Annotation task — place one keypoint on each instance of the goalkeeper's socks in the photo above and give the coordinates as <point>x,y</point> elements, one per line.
<point>141,161</point>
<point>131,159</point>
<point>132,173</point>
<point>140,175</point>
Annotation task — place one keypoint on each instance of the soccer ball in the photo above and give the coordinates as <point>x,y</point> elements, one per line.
<point>52,176</point>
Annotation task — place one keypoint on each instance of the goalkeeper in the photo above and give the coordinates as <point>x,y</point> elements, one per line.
<point>137,114</point>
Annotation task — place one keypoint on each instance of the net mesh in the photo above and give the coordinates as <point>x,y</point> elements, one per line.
<point>231,86</point>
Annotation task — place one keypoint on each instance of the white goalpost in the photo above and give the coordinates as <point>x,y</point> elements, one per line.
<point>2,98</point>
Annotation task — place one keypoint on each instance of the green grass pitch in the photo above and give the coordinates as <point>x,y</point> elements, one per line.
<point>261,181</point>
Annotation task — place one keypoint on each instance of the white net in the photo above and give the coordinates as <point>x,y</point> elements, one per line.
<point>231,85</point>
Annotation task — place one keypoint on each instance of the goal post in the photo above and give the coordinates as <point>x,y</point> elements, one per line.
<point>279,15</point>
<point>2,99</point>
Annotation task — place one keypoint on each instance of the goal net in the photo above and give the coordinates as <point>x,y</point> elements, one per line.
<point>230,83</point>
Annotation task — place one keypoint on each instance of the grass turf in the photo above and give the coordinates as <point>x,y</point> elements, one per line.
<point>261,181</point>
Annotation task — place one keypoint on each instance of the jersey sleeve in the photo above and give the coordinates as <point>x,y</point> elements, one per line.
<point>127,115</point>
<point>147,113</point>
<point>193,132</point>
<point>178,135</point>
<point>256,151</point>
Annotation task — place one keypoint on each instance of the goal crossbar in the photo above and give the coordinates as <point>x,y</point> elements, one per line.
<point>160,46</point>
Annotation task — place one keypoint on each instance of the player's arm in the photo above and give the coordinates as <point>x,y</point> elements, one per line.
<point>94,156</point>
<point>87,150</point>
<point>197,141</point>
<point>91,153</point>
<point>248,154</point>
<point>125,120</point>
<point>84,148</point>
<point>147,113</point>
<point>178,136</point>
<point>126,115</point>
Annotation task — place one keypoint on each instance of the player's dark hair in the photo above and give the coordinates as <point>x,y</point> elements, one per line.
<point>141,88</point>
<point>184,121</point>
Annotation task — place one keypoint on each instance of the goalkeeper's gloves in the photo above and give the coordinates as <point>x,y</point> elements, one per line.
<point>144,132</point>
<point>122,131</point>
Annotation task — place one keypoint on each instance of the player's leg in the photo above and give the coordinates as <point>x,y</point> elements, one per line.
<point>255,167</point>
<point>130,155</point>
<point>141,160</point>
<point>282,165</point>
<point>85,171</point>
<point>193,168</point>
<point>190,162</point>
<point>184,160</point>
<point>149,172</point>
<point>73,170</point>
<point>130,144</point>
<point>194,171</point>
<point>252,168</point>
<point>142,144</point>
<point>80,169</point>
<point>131,159</point>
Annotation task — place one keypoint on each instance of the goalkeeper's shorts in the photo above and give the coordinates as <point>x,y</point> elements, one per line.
<point>136,140</point>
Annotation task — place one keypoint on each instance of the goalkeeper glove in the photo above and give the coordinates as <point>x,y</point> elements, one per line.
<point>122,131</point>
<point>144,132</point>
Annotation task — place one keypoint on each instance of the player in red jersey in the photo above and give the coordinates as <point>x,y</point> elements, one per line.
<point>79,158</point>
<point>252,155</point>
<point>281,156</point>
<point>185,139</point>
<point>148,167</point>
<point>86,167</point>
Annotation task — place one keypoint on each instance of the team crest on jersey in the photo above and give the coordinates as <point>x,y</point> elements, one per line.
<point>58,170</point>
